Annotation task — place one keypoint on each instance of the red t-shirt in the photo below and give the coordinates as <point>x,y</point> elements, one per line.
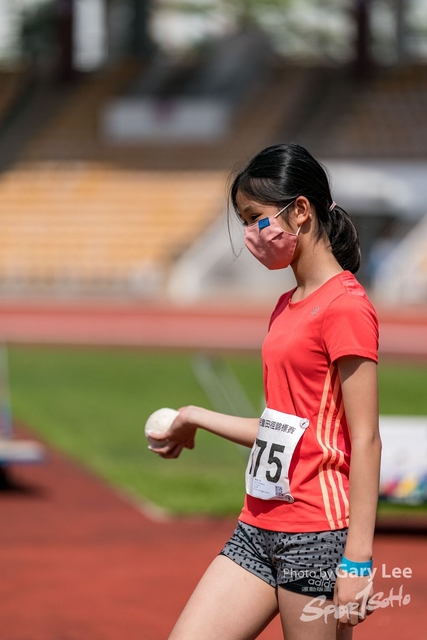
<point>301,378</point>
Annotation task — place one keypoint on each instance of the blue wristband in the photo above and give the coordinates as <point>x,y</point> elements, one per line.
<point>356,568</point>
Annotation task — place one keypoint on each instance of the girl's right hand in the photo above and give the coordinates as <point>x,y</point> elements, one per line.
<point>179,436</point>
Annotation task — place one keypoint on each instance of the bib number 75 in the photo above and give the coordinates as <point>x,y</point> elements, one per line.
<point>267,471</point>
<point>272,459</point>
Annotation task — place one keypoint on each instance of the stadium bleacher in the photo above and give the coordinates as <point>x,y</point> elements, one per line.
<point>74,134</point>
<point>384,117</point>
<point>82,216</point>
<point>95,228</point>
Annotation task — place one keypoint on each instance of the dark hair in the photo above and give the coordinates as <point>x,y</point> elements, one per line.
<point>279,174</point>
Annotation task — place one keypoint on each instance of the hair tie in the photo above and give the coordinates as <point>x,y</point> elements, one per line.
<point>333,205</point>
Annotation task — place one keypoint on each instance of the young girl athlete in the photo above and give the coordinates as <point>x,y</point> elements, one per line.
<point>303,542</point>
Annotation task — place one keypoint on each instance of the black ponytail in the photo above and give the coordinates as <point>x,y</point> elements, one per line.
<point>279,174</point>
<point>344,239</point>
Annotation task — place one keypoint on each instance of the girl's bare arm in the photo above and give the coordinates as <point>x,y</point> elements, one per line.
<point>183,430</point>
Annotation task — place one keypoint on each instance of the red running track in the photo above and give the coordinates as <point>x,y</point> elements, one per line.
<point>154,326</point>
<point>79,562</point>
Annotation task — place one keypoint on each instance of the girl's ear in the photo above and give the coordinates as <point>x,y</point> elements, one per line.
<point>302,210</point>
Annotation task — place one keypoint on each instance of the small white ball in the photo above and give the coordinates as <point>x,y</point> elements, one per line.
<point>159,422</point>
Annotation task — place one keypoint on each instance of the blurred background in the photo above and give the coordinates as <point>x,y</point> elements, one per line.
<point>121,120</point>
<point>125,287</point>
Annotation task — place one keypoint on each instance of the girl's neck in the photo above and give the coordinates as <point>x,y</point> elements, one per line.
<point>312,270</point>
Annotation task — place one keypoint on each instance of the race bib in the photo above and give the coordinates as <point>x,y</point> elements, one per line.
<point>267,473</point>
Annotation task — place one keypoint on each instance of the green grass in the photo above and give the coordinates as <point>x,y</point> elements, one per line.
<point>93,403</point>
<point>402,389</point>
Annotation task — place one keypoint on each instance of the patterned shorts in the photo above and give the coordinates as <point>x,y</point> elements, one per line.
<point>301,562</point>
